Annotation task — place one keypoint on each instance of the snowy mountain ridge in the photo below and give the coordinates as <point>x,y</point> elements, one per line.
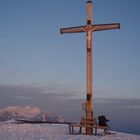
<point>28,113</point>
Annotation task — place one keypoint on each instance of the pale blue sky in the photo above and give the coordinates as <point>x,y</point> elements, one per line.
<point>33,53</point>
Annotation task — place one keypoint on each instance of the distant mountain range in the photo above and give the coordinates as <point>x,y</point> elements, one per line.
<point>28,113</point>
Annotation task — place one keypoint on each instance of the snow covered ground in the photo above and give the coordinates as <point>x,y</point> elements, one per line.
<point>10,131</point>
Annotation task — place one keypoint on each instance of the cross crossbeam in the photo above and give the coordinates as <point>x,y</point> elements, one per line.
<point>93,28</point>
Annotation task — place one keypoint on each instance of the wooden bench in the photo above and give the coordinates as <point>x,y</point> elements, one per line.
<point>80,126</point>
<point>105,128</point>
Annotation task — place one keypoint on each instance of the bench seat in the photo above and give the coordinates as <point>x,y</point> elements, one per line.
<point>80,126</point>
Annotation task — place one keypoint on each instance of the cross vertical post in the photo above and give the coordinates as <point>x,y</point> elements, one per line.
<point>89,119</point>
<point>89,28</point>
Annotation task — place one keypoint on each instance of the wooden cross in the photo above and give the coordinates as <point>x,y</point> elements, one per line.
<point>89,28</point>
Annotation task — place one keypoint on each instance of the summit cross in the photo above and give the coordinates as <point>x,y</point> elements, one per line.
<point>89,28</point>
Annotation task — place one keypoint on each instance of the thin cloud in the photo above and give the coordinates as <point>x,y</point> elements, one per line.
<point>25,98</point>
<point>133,106</point>
<point>14,72</point>
<point>48,91</point>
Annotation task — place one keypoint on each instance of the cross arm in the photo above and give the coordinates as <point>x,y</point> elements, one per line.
<point>93,28</point>
<point>76,29</point>
<point>100,27</point>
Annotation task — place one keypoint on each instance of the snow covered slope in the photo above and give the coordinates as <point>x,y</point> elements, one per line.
<point>51,132</point>
<point>12,131</point>
<point>28,113</point>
